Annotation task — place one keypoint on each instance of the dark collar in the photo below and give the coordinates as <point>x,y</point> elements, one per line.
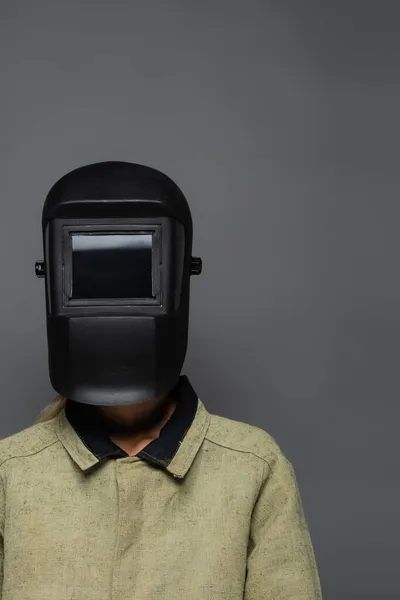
<point>84,418</point>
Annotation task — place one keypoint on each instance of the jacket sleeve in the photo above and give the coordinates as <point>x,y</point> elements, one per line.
<point>2,510</point>
<point>280,561</point>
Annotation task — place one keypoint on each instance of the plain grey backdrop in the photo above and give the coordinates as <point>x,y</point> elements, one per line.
<point>279,121</point>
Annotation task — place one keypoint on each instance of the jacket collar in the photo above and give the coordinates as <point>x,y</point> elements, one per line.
<point>80,431</point>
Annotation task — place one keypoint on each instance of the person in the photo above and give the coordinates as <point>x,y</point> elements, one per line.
<point>126,486</point>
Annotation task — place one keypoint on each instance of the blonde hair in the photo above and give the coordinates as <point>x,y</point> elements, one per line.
<point>51,410</point>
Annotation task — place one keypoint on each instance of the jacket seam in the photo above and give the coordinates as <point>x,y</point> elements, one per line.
<point>29,453</point>
<point>238,449</point>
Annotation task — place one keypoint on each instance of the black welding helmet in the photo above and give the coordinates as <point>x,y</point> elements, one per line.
<point>117,243</point>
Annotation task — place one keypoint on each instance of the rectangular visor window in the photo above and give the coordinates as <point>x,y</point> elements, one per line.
<point>112,266</point>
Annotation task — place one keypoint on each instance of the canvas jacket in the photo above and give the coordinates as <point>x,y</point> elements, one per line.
<point>210,510</point>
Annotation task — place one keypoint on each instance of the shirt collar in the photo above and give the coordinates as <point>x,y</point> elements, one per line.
<point>80,431</point>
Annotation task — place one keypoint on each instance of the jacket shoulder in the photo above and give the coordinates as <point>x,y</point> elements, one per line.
<point>28,441</point>
<point>243,437</point>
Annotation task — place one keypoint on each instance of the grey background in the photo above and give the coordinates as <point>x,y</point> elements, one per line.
<point>279,121</point>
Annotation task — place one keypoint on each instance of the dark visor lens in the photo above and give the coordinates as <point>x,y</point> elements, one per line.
<point>112,266</point>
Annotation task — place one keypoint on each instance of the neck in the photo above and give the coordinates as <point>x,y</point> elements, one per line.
<point>134,443</point>
<point>137,421</point>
